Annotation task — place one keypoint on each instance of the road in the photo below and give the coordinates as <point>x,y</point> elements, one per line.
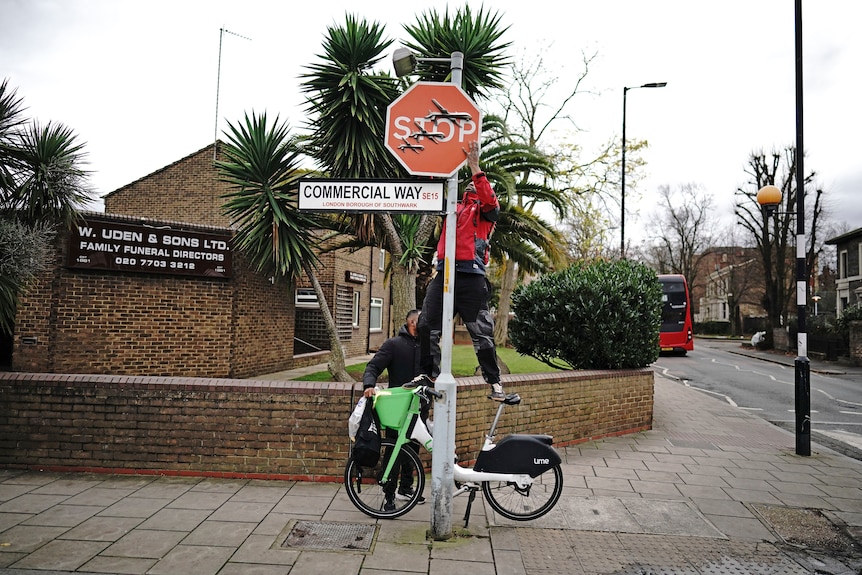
<point>767,390</point>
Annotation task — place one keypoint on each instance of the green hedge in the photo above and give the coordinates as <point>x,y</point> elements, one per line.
<point>713,328</point>
<point>598,315</point>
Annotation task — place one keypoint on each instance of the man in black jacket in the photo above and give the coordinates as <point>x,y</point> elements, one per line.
<point>399,356</point>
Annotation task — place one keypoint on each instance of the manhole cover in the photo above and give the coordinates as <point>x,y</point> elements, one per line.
<point>806,528</point>
<point>330,536</point>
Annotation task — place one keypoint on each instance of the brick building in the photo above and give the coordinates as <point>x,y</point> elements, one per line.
<point>729,288</point>
<point>848,284</point>
<point>156,290</point>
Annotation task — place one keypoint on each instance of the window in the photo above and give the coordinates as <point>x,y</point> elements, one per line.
<point>381,264</point>
<point>306,299</point>
<point>842,265</point>
<point>375,320</point>
<point>356,309</point>
<point>310,334</point>
<point>344,312</point>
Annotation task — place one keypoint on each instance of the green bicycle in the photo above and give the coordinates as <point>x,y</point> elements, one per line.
<point>520,476</point>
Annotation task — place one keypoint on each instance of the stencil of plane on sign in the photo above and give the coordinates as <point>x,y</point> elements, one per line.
<point>423,133</point>
<point>444,114</point>
<point>408,146</point>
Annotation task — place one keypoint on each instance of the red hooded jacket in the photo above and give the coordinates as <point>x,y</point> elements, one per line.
<point>477,213</point>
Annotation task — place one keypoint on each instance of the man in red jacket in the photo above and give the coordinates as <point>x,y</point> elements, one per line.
<point>477,213</point>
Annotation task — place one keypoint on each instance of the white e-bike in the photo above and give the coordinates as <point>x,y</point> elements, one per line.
<point>520,476</point>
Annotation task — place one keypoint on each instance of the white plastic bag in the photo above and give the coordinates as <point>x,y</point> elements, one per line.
<point>355,417</point>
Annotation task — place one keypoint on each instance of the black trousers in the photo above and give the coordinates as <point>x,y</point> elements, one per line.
<point>471,294</point>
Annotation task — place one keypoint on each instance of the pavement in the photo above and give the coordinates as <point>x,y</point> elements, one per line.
<point>710,489</point>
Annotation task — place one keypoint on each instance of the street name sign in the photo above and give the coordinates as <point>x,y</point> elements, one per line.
<point>395,196</point>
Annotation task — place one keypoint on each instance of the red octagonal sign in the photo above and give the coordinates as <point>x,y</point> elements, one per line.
<point>429,127</point>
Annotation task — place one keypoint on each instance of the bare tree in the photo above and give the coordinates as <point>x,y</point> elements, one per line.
<point>587,231</point>
<point>742,268</point>
<point>683,231</point>
<point>531,107</point>
<point>774,236</point>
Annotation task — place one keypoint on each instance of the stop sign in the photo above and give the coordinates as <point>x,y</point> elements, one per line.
<point>429,127</point>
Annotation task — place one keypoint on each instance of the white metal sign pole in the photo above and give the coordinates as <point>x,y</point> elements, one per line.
<point>443,456</point>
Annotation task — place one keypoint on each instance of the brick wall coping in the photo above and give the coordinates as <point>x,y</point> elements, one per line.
<point>278,386</point>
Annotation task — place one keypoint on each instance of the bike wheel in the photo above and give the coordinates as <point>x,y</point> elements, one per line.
<point>512,502</point>
<point>383,501</point>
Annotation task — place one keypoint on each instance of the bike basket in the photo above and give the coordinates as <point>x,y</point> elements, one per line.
<point>392,406</point>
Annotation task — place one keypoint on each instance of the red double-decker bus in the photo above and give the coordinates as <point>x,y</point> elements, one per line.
<point>675,334</point>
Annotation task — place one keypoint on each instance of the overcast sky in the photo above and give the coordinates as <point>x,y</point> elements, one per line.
<point>138,80</point>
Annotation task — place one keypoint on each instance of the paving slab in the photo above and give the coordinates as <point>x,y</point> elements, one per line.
<point>61,555</point>
<point>677,499</point>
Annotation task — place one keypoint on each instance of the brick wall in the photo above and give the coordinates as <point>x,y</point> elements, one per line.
<point>272,429</point>
<point>856,342</point>
<point>187,190</point>
<point>126,323</point>
<point>83,321</point>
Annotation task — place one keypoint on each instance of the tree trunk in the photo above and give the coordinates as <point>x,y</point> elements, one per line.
<point>402,278</point>
<point>507,286</point>
<point>336,352</point>
<point>403,284</point>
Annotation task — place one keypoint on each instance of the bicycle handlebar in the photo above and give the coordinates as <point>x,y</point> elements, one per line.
<point>423,390</point>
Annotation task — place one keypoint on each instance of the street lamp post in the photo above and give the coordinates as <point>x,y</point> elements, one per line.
<point>769,197</point>
<point>443,455</point>
<point>802,364</point>
<point>623,178</point>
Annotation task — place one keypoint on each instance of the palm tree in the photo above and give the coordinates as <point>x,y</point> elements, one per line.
<point>477,36</point>
<point>347,104</point>
<point>520,236</point>
<point>42,186</point>
<point>523,241</point>
<point>11,120</point>
<point>262,166</point>
<point>51,185</point>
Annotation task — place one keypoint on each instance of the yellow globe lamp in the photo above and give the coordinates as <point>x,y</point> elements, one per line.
<point>769,197</point>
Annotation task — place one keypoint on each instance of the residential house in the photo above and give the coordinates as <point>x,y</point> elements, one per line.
<point>848,284</point>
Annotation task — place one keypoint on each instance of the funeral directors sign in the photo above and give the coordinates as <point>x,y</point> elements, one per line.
<point>322,195</point>
<point>98,244</point>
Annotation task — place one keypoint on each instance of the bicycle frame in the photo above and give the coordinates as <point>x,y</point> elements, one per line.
<point>418,431</point>
<point>520,476</point>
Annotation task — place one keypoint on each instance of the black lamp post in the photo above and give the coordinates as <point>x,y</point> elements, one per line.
<point>623,179</point>
<point>769,197</point>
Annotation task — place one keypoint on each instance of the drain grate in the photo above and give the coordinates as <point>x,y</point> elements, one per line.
<point>330,536</point>
<point>808,528</point>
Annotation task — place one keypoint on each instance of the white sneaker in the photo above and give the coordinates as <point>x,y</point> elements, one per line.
<point>406,494</point>
<point>420,379</point>
<point>497,392</point>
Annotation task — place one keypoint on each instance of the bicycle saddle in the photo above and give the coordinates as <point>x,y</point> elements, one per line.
<point>512,399</point>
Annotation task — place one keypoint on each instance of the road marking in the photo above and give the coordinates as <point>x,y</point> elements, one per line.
<point>752,408</point>
<point>846,437</point>
<point>850,412</point>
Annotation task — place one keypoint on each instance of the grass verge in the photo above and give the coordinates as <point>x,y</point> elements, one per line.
<point>464,364</point>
